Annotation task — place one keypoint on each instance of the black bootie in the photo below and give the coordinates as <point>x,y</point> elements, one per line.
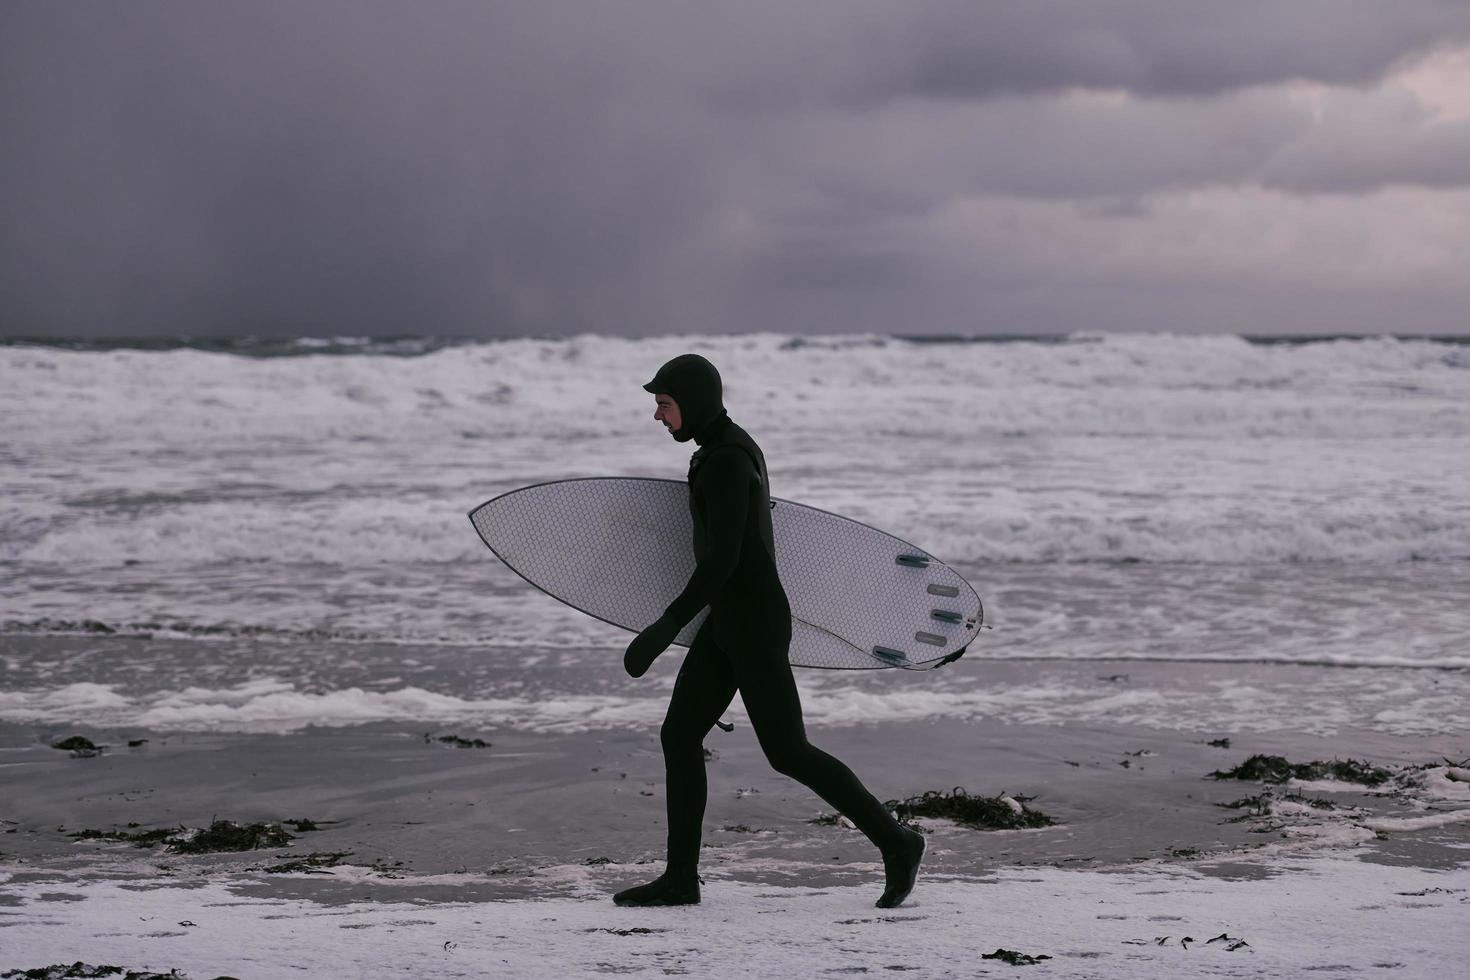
<point>669,888</point>
<point>901,869</point>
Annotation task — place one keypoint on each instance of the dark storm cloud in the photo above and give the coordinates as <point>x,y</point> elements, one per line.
<point>1164,47</point>
<point>329,168</point>
<point>525,167</point>
<point>1074,147</point>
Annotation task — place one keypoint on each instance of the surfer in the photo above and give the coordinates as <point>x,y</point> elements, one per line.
<point>742,645</point>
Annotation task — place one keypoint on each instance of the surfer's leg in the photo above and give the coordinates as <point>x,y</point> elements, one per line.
<point>702,691</point>
<point>771,698</point>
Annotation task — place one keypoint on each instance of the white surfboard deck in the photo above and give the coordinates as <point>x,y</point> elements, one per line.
<point>620,549</point>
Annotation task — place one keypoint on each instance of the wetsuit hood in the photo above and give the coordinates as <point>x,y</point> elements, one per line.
<point>694,383</point>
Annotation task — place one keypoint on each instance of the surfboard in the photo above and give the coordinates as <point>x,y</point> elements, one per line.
<point>620,549</point>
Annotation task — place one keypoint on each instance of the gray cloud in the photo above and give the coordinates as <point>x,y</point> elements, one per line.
<point>535,167</point>
<point>1171,48</point>
<point>1367,141</point>
<point>856,54</point>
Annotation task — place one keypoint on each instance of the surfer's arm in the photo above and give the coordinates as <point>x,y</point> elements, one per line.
<point>724,486</point>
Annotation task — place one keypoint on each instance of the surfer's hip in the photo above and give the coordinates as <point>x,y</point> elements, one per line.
<point>737,632</point>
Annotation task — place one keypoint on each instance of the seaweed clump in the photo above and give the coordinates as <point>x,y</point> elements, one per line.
<point>226,835</point>
<point>1014,958</point>
<point>976,812</point>
<point>314,863</point>
<point>80,747</point>
<point>221,835</point>
<point>1260,805</point>
<point>141,838</point>
<point>86,971</point>
<point>458,742</point>
<point>1256,806</point>
<point>1276,769</point>
<point>303,824</point>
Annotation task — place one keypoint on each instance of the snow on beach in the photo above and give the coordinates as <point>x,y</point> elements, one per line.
<point>1324,916</point>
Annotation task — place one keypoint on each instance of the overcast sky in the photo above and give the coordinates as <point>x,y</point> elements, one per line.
<point>618,166</point>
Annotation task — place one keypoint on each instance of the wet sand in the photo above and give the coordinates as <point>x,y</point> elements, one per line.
<point>388,793</point>
<point>553,823</point>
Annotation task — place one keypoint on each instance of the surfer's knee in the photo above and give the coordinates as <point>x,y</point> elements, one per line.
<point>789,759</point>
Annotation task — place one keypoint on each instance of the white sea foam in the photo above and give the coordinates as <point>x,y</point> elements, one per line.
<point>275,706</point>
<point>1159,448</point>
<point>1325,818</point>
<point>1324,706</point>
<point>1440,783</point>
<point>1428,821</point>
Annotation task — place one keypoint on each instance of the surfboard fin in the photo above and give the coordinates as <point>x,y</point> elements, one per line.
<point>890,655</point>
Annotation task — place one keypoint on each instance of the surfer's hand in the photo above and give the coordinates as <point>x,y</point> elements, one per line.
<point>646,646</point>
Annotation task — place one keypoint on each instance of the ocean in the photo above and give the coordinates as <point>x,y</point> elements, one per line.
<point>284,523</point>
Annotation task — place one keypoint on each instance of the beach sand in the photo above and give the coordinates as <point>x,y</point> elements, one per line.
<point>440,859</point>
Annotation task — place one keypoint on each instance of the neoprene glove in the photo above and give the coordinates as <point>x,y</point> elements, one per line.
<point>646,646</point>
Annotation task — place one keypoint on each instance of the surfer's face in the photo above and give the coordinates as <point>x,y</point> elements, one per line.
<point>666,410</point>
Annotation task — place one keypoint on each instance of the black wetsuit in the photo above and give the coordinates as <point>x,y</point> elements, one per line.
<point>743,643</point>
